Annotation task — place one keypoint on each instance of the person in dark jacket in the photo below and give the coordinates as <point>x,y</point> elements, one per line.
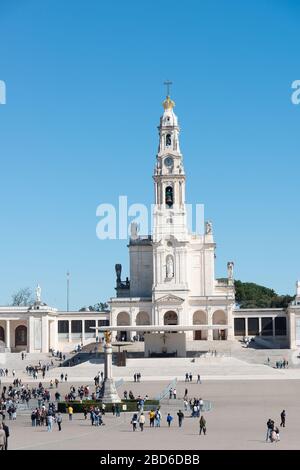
<point>282,416</point>
<point>180,418</point>
<point>6,430</point>
<point>202,423</point>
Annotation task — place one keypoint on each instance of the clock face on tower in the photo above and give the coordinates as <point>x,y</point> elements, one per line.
<point>169,161</point>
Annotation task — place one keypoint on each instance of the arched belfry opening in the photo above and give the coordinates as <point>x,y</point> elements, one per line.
<point>168,140</point>
<point>169,199</point>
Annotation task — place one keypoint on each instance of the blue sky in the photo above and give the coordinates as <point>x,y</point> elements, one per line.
<point>84,92</point>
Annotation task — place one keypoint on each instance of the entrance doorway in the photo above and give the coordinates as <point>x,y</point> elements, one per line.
<point>219,335</point>
<point>197,335</point>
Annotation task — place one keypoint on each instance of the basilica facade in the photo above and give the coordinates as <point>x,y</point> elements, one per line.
<point>172,271</point>
<point>171,299</point>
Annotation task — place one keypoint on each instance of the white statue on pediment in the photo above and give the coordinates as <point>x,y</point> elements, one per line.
<point>208,227</point>
<point>170,267</point>
<point>38,293</point>
<point>230,266</point>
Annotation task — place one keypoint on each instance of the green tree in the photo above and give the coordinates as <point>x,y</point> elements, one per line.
<point>251,295</point>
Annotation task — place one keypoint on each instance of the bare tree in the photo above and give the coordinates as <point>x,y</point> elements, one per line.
<point>23,297</point>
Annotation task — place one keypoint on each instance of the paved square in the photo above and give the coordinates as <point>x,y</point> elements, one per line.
<point>240,410</point>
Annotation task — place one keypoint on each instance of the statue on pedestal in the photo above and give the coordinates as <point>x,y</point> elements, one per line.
<point>133,231</point>
<point>170,267</point>
<point>208,227</point>
<point>38,293</point>
<point>298,289</point>
<point>107,336</point>
<point>118,269</point>
<point>230,266</point>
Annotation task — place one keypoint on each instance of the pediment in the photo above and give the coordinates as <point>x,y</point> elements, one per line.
<point>170,299</point>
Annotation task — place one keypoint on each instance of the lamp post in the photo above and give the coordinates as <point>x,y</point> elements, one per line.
<point>68,291</point>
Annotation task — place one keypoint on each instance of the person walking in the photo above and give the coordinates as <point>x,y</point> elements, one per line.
<point>49,422</point>
<point>169,419</point>
<point>202,424</point>
<point>59,421</point>
<point>70,412</point>
<point>157,418</point>
<point>170,393</point>
<point>134,421</point>
<point>198,379</point>
<point>282,416</point>
<point>142,421</point>
<point>174,393</point>
<point>33,418</point>
<point>180,418</point>
<point>151,418</point>
<point>270,428</point>
<point>6,430</point>
<point>2,438</point>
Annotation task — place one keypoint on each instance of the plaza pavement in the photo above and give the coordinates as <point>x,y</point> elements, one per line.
<point>153,369</point>
<point>244,396</point>
<point>237,420</point>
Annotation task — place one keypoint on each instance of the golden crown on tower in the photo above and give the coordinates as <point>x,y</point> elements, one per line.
<point>168,103</point>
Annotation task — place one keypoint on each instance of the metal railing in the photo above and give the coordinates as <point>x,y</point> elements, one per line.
<point>166,390</point>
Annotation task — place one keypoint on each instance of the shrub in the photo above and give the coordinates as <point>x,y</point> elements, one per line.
<point>78,407</point>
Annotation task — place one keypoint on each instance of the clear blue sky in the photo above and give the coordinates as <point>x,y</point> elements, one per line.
<point>84,92</point>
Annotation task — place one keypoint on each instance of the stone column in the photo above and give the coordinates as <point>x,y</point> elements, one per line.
<point>209,323</point>
<point>7,334</point>
<point>31,339</point>
<point>259,326</point>
<point>273,327</point>
<point>291,329</point>
<point>246,326</point>
<point>82,330</point>
<point>45,334</point>
<point>109,392</point>
<point>70,331</point>
<point>230,324</point>
<point>53,334</point>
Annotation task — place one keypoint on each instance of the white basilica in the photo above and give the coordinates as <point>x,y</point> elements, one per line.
<point>172,298</point>
<point>172,274</point>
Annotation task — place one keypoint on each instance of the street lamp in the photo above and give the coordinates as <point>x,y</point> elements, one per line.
<point>68,291</point>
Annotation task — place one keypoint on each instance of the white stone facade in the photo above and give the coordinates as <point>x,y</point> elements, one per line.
<point>39,328</point>
<point>172,271</point>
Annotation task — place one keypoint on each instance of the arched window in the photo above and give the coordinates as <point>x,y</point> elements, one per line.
<point>2,334</point>
<point>21,336</point>
<point>168,140</point>
<point>169,196</point>
<point>170,318</point>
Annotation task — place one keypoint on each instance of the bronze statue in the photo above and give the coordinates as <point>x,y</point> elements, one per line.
<point>107,335</point>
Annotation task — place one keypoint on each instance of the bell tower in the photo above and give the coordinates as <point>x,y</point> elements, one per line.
<point>170,236</point>
<point>169,217</point>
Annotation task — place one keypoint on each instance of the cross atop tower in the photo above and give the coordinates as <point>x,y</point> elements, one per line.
<point>168,84</point>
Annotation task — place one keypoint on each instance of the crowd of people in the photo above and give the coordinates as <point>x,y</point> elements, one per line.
<point>155,419</point>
